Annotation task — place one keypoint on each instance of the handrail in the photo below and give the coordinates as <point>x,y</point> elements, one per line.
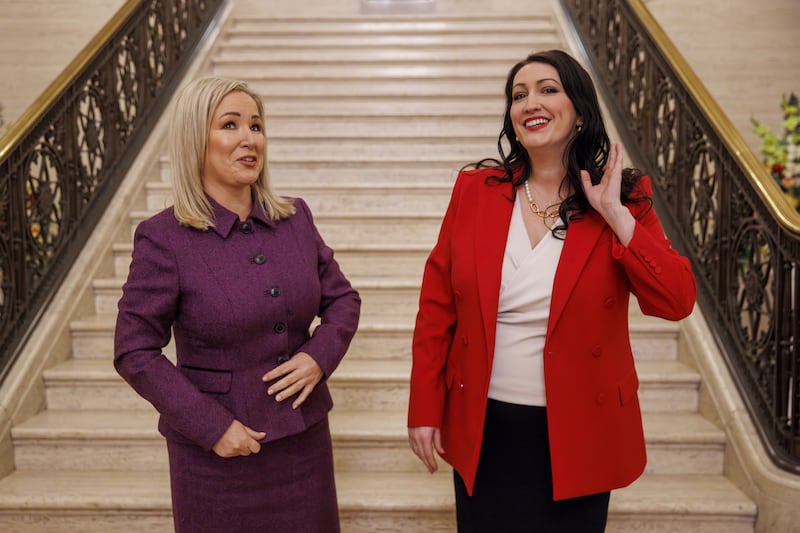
<point>17,130</point>
<point>718,205</point>
<point>765,184</point>
<point>64,158</point>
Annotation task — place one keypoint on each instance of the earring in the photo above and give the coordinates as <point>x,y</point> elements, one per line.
<point>580,127</point>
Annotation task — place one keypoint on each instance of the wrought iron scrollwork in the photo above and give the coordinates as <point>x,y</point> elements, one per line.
<point>56,177</point>
<point>747,264</point>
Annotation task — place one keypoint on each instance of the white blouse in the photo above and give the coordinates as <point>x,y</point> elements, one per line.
<point>525,290</point>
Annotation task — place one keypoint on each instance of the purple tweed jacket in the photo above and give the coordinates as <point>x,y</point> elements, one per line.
<point>239,300</point>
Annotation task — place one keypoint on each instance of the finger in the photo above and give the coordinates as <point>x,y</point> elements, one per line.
<point>437,441</point>
<point>586,180</point>
<point>303,395</point>
<point>616,162</point>
<point>254,446</point>
<point>428,458</point>
<point>423,447</point>
<point>282,385</point>
<point>256,435</point>
<point>289,390</point>
<point>278,371</point>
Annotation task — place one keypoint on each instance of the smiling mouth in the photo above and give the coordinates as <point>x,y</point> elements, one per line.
<point>532,123</point>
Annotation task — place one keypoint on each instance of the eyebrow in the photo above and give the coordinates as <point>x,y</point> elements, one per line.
<point>235,114</point>
<point>539,82</point>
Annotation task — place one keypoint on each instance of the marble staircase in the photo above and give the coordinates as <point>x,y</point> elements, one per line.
<point>368,119</point>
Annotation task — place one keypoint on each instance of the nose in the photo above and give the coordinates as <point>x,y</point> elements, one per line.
<point>532,102</point>
<point>248,137</point>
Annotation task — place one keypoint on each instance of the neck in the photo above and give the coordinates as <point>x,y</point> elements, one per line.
<point>239,200</point>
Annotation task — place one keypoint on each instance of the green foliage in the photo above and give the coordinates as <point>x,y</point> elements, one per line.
<point>781,153</point>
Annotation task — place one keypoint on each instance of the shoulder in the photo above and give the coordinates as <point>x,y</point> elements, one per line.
<point>474,180</point>
<point>641,196</point>
<point>643,187</point>
<point>480,175</point>
<point>160,222</point>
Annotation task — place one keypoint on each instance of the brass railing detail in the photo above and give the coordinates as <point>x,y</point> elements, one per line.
<point>718,204</point>
<point>64,158</point>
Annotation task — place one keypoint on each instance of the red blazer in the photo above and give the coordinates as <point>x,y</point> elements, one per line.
<point>594,420</point>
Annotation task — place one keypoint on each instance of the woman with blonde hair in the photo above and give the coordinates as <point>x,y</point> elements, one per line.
<point>237,274</point>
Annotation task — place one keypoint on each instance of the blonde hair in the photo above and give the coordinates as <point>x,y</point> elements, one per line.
<point>190,122</point>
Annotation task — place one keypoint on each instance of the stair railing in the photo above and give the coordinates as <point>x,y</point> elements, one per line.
<point>719,206</point>
<point>62,161</point>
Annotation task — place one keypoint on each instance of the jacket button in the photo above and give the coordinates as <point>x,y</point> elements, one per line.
<point>598,351</point>
<point>280,327</point>
<point>464,340</point>
<point>259,259</point>
<point>246,228</point>
<point>282,359</point>
<point>275,291</point>
<point>601,398</point>
<point>609,302</point>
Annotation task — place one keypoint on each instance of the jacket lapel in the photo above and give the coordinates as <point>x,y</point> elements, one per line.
<point>582,237</point>
<point>493,219</point>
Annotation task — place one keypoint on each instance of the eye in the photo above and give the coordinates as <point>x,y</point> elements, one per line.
<point>255,127</point>
<point>549,90</point>
<point>518,96</point>
<point>229,125</point>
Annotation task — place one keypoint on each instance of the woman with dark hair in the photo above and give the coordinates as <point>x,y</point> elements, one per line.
<point>523,377</point>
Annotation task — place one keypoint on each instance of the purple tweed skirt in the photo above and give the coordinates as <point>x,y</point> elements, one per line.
<point>287,487</point>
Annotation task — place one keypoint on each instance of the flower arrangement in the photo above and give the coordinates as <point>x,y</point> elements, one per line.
<point>781,154</point>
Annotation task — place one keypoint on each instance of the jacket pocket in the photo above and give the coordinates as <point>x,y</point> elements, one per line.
<point>628,387</point>
<point>208,379</point>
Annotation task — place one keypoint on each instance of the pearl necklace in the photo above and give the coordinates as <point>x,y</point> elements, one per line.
<point>551,211</point>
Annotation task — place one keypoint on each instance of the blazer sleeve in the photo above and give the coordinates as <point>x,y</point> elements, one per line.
<point>661,279</point>
<point>340,304</point>
<point>435,326</point>
<point>145,316</point>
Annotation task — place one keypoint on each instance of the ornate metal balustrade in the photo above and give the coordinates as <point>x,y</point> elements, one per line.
<point>64,159</point>
<point>718,205</point>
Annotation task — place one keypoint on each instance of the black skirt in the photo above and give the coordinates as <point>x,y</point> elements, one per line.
<point>513,490</point>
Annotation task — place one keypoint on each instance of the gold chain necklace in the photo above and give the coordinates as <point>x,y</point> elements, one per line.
<point>551,211</point>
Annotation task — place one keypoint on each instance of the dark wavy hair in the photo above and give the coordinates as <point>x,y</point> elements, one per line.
<point>588,150</point>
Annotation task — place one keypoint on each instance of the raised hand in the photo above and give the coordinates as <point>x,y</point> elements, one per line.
<point>605,196</point>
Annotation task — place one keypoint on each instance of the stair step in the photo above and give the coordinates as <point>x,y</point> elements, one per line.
<point>508,53</point>
<point>439,25</point>
<point>286,173</point>
<point>378,261</point>
<point>101,501</point>
<point>265,40</point>
<point>380,149</point>
<point>493,70</point>
<point>651,339</point>
<point>388,299</point>
<point>347,230</point>
<point>415,88</point>
<point>354,198</point>
<point>373,441</point>
<point>357,384</point>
